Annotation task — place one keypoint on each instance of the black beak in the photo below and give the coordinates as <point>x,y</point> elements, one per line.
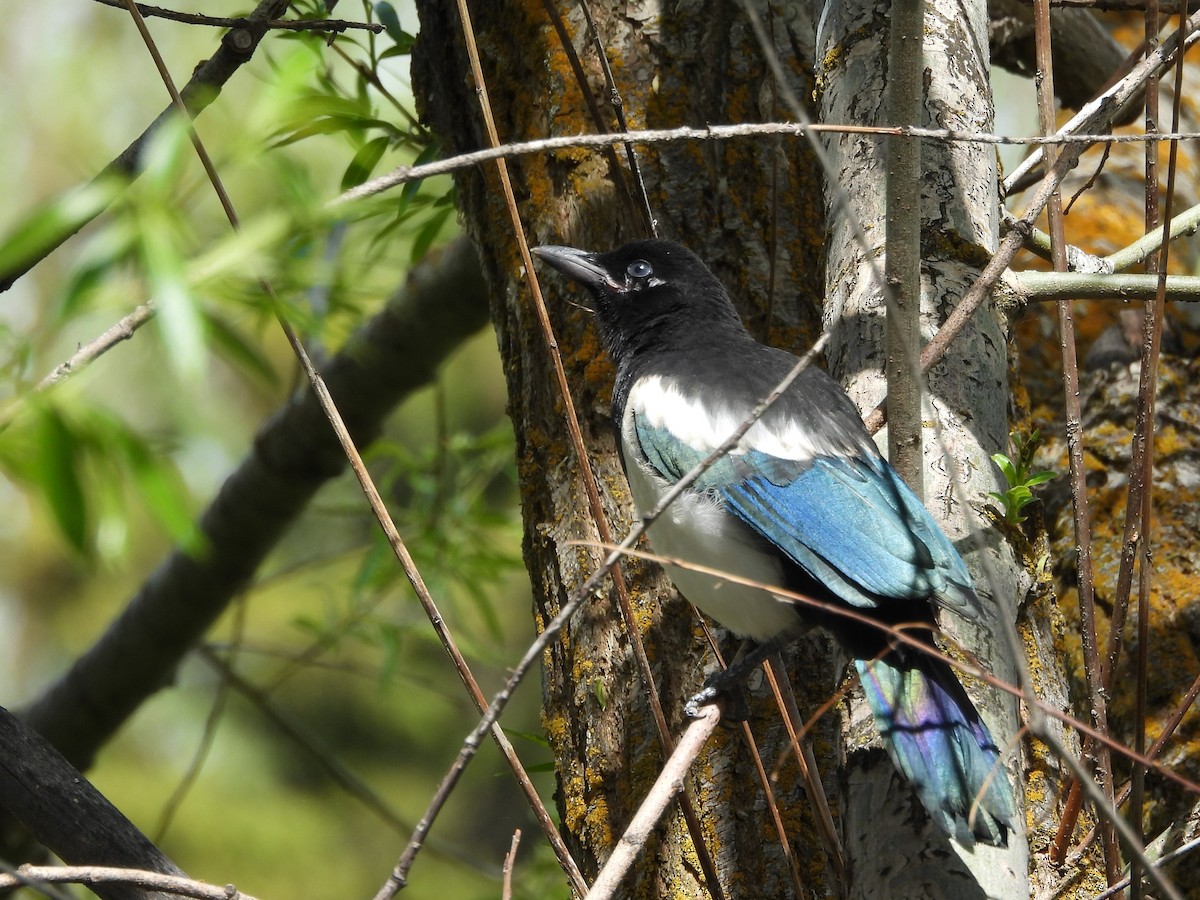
<point>578,265</point>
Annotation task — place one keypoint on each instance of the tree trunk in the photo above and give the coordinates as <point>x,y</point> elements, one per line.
<point>968,393</point>
<point>753,210</point>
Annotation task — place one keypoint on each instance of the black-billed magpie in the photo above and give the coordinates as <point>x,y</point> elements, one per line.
<point>804,501</point>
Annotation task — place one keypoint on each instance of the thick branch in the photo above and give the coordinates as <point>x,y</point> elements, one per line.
<point>63,811</point>
<point>1042,286</point>
<point>293,456</point>
<point>902,254</point>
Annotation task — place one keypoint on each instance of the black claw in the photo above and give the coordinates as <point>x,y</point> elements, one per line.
<point>719,686</point>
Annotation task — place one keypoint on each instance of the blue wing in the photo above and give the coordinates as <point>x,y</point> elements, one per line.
<point>850,522</point>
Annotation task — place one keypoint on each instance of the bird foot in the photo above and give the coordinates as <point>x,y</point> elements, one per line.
<point>721,687</point>
<point>729,685</point>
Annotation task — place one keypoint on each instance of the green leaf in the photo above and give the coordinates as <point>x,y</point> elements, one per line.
<point>179,321</point>
<point>164,158</point>
<point>100,256</point>
<point>58,464</point>
<point>391,23</point>
<point>429,233</point>
<point>538,739</point>
<point>246,251</point>
<point>364,162</point>
<point>160,487</point>
<point>397,50</point>
<point>1006,466</point>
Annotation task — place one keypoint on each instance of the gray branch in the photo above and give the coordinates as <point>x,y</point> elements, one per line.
<point>65,813</point>
<point>1038,287</point>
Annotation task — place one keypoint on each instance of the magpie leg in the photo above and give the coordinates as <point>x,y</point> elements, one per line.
<point>729,683</point>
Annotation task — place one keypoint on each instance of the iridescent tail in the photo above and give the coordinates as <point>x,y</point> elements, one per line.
<point>936,739</point>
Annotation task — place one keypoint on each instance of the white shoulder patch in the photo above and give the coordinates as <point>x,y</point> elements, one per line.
<point>662,404</point>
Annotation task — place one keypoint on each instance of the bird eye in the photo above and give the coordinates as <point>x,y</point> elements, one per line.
<point>639,268</point>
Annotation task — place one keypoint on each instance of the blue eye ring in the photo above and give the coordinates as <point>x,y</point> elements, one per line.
<point>639,269</point>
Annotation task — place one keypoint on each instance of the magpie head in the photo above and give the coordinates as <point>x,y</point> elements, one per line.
<point>646,290</point>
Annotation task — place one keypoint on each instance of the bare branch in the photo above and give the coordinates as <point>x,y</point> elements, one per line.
<point>1044,286</point>
<point>1101,112</point>
<point>1186,223</point>
<point>404,174</point>
<point>510,861</point>
<point>668,784</point>
<point>333,25</point>
<point>83,357</point>
<point>108,875</point>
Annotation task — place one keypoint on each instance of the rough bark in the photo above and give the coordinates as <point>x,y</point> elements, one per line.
<point>731,203</point>
<point>891,850</point>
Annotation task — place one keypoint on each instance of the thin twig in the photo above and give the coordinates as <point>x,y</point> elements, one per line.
<point>395,541</point>
<point>1186,223</point>
<point>668,784</point>
<point>596,507</point>
<point>334,25</point>
<point>1184,707</point>
<point>807,762</point>
<point>768,786</point>
<point>1126,834</point>
<point>1148,393</point>
<point>1101,112</point>
<point>334,770</point>
<point>152,881</point>
<point>902,251</point>
<point>404,174</point>
<point>208,735</point>
<point>900,634</point>
<point>88,353</point>
<point>767,781</point>
<point>589,98</point>
<point>1097,702</point>
<point>552,629</point>
<point>618,105</point>
<point>1097,170</point>
<point>1162,861</point>
<point>510,861</point>
<point>236,49</point>
<point>1141,473</point>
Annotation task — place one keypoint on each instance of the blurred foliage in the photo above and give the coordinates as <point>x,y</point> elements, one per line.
<point>102,474</point>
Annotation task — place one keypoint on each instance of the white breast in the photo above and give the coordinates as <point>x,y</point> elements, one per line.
<point>695,528</point>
